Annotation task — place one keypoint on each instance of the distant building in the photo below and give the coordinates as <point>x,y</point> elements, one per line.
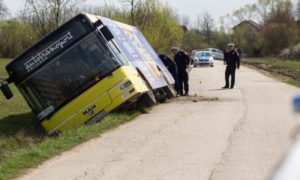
<point>252,24</point>
<point>246,36</point>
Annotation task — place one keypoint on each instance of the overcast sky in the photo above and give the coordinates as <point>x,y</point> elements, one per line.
<point>192,8</point>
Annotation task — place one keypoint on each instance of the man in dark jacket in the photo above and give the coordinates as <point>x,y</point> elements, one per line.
<point>232,60</point>
<point>172,67</point>
<point>182,59</point>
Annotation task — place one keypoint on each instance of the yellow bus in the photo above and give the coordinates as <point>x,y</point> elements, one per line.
<point>77,74</point>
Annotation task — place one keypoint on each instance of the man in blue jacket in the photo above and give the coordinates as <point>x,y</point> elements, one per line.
<point>232,60</point>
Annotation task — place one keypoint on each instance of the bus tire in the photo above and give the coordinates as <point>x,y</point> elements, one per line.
<point>169,91</point>
<point>148,99</point>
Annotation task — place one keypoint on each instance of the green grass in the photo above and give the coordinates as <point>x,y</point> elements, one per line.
<point>3,63</point>
<point>287,64</point>
<point>285,70</point>
<point>23,143</point>
<point>34,154</point>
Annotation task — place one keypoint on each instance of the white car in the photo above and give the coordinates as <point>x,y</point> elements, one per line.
<point>217,53</point>
<point>203,58</point>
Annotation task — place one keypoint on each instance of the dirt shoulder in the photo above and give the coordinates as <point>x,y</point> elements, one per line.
<point>284,68</point>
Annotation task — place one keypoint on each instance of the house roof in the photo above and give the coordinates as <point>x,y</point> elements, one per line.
<point>252,23</point>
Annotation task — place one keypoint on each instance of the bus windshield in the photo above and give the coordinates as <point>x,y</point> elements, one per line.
<point>68,75</point>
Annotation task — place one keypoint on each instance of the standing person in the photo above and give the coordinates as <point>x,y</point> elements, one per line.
<point>232,60</point>
<point>182,59</point>
<point>225,52</point>
<point>172,67</point>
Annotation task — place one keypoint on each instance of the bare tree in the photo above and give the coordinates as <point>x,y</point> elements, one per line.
<point>284,6</point>
<point>267,8</point>
<point>263,8</point>
<point>46,15</point>
<point>206,25</point>
<point>107,7</point>
<point>133,6</point>
<point>3,9</point>
<point>248,12</point>
<point>185,21</point>
<point>298,10</point>
<point>108,10</point>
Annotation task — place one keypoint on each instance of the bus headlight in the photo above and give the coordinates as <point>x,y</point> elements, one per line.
<point>126,95</point>
<point>125,86</point>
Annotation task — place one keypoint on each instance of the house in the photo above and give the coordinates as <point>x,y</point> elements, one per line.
<point>253,24</point>
<point>247,35</point>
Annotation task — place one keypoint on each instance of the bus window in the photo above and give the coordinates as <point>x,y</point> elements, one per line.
<point>69,74</point>
<point>118,53</point>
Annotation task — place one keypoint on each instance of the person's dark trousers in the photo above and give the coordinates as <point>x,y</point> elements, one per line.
<point>183,78</point>
<point>176,85</point>
<point>230,71</point>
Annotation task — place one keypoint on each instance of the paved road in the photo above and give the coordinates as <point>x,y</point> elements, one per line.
<point>235,134</point>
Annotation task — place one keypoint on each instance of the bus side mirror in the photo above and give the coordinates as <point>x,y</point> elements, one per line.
<point>6,91</point>
<point>98,23</point>
<point>106,33</point>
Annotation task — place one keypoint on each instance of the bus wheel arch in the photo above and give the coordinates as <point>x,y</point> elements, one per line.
<point>168,90</point>
<point>148,98</point>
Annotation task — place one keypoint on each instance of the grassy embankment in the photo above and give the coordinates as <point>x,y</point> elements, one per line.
<point>285,70</point>
<point>23,143</point>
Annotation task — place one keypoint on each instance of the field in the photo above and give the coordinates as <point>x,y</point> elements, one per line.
<point>23,143</point>
<point>286,70</point>
<point>3,63</point>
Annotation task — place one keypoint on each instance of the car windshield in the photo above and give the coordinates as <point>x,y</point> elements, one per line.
<point>203,54</point>
<point>69,74</point>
